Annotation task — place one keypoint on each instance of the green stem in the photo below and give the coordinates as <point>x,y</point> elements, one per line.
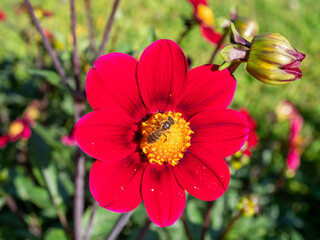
<point>214,54</point>
<point>189,25</point>
<point>206,219</point>
<point>230,224</point>
<point>233,67</point>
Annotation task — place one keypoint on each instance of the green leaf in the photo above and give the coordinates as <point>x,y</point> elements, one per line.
<point>42,165</point>
<point>55,233</point>
<point>48,138</point>
<point>51,76</point>
<point>103,222</point>
<point>27,190</point>
<point>217,213</point>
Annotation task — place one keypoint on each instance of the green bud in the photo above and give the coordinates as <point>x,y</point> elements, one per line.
<point>247,27</point>
<point>273,60</point>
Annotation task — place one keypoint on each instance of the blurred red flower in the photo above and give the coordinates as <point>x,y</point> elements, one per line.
<point>19,129</point>
<point>3,15</point>
<point>243,156</point>
<point>204,16</point>
<point>68,140</point>
<point>295,144</point>
<point>253,138</point>
<point>4,140</point>
<point>132,102</point>
<point>40,13</point>
<point>286,111</point>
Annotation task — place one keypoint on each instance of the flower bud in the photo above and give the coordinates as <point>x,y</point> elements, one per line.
<point>205,15</point>
<point>247,27</point>
<point>273,60</point>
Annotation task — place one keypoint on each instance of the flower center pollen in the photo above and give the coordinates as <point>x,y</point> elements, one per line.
<point>165,137</point>
<point>15,129</point>
<point>205,14</point>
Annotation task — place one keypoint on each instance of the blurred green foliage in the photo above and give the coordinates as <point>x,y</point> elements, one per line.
<point>36,176</point>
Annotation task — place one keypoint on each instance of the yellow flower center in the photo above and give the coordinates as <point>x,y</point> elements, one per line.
<point>205,14</point>
<point>165,137</point>
<point>15,129</point>
<point>32,113</point>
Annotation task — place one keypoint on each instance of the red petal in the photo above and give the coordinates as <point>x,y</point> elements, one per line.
<point>116,186</point>
<point>4,139</point>
<point>113,82</point>
<point>209,34</point>
<point>293,160</point>
<point>162,71</point>
<point>163,197</point>
<point>197,2</point>
<point>207,89</point>
<point>203,176</point>
<point>26,133</point>
<point>106,134</point>
<point>219,132</point>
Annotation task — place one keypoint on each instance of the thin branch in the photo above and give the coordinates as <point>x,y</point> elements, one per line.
<point>34,227</point>
<point>75,57</point>
<point>225,34</point>
<point>107,30</point>
<point>121,223</point>
<point>48,46</point>
<point>230,224</point>
<point>185,226</point>
<point>144,230</point>
<point>94,207</point>
<point>206,219</point>
<point>79,179</point>
<point>79,193</point>
<point>87,4</point>
<point>188,26</point>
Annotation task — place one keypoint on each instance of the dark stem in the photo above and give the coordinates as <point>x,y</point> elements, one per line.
<point>87,4</point>
<point>120,224</point>
<point>230,224</point>
<point>48,46</point>
<point>107,30</point>
<point>233,67</point>
<point>144,230</point>
<point>75,57</point>
<point>188,24</point>
<point>206,219</point>
<point>185,226</point>
<point>94,207</point>
<point>79,179</point>
<point>34,227</point>
<point>216,50</point>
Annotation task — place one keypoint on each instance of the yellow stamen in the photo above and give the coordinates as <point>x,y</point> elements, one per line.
<point>15,129</point>
<point>165,145</point>
<point>205,14</point>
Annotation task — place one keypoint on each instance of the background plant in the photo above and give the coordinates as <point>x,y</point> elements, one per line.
<point>37,176</point>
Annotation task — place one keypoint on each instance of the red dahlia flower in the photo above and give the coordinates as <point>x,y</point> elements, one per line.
<point>157,130</point>
<point>204,16</point>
